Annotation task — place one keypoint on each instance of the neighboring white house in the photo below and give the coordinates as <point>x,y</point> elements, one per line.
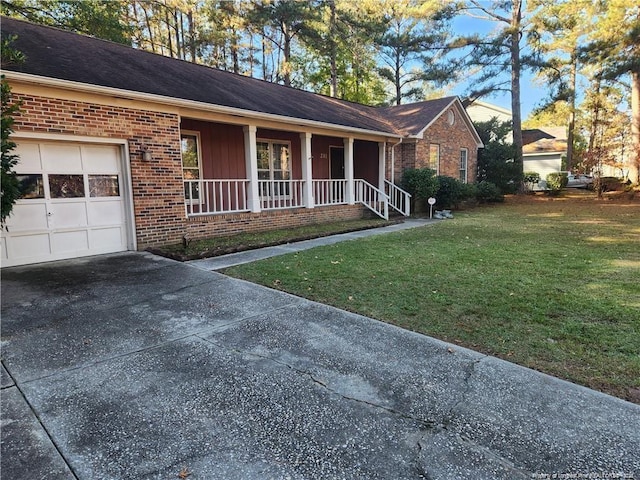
<point>542,151</point>
<point>483,112</point>
<point>480,111</point>
<point>543,148</point>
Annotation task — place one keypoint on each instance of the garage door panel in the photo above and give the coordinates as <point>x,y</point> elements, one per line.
<point>70,242</point>
<point>100,158</point>
<point>29,158</point>
<point>61,157</point>
<point>28,216</point>
<point>106,238</point>
<point>75,208</point>
<point>105,213</point>
<point>69,215</point>
<point>24,247</point>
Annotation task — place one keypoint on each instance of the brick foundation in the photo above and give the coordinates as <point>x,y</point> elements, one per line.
<point>229,224</point>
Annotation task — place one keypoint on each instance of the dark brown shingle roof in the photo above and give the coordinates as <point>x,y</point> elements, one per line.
<point>58,54</point>
<point>544,139</point>
<point>413,117</point>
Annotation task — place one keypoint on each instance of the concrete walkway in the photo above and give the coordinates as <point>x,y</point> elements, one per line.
<point>224,261</point>
<point>132,366</point>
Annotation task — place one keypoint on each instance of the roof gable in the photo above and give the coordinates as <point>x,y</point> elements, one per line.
<point>415,118</point>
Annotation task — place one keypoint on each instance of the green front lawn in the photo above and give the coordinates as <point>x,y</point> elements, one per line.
<point>552,284</point>
<point>215,246</point>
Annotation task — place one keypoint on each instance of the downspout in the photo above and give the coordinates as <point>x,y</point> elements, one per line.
<point>393,161</point>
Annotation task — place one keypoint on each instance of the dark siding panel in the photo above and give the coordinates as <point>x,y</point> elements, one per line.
<point>365,161</point>
<point>320,151</point>
<point>222,148</point>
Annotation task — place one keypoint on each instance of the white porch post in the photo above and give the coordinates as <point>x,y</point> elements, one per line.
<point>348,170</point>
<point>251,163</point>
<point>307,171</point>
<point>382,157</point>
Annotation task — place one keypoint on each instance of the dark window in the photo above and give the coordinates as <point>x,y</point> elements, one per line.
<point>104,186</point>
<point>31,185</point>
<point>66,186</point>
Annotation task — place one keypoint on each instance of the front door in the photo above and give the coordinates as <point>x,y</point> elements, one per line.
<point>337,163</point>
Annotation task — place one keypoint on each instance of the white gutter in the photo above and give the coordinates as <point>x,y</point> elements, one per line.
<point>178,102</point>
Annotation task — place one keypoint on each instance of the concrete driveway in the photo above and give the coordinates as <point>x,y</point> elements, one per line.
<point>134,366</point>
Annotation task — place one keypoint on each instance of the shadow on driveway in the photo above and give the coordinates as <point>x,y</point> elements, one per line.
<point>134,366</point>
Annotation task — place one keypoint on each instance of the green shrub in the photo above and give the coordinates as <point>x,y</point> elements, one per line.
<point>421,183</point>
<point>449,191</point>
<point>496,161</point>
<point>468,191</point>
<point>556,181</point>
<point>488,193</point>
<point>531,177</point>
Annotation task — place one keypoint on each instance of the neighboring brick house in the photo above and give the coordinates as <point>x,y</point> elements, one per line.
<point>122,149</point>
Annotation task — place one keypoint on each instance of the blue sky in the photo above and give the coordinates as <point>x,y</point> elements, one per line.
<point>532,94</point>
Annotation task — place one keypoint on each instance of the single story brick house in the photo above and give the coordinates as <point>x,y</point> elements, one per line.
<point>123,149</point>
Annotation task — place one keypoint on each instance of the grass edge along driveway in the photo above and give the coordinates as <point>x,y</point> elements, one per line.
<point>553,285</point>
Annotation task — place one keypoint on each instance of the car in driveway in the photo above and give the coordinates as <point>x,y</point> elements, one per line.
<point>579,180</point>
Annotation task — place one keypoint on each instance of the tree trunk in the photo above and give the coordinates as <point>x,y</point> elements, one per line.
<point>333,91</point>
<point>264,55</point>
<point>149,29</point>
<point>397,80</point>
<point>516,18</point>
<point>635,126</point>
<point>572,111</point>
<point>286,52</point>
<point>177,16</point>
<point>192,36</point>
<point>168,24</point>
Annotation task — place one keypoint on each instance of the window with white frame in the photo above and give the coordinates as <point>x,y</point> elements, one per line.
<point>274,164</point>
<point>191,164</point>
<point>463,164</point>
<point>434,157</point>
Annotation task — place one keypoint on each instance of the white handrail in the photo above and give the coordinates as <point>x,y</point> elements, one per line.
<point>206,197</point>
<point>373,198</point>
<point>399,199</point>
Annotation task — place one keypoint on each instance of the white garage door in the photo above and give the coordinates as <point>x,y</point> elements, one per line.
<point>74,203</point>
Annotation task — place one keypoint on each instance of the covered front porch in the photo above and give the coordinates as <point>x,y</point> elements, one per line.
<point>244,168</point>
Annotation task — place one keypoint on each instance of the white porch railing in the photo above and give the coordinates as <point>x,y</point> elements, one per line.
<point>372,198</point>
<point>277,194</point>
<point>204,197</point>
<point>399,200</point>
<point>329,192</point>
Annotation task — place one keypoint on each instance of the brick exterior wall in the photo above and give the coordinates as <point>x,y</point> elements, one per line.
<point>158,198</point>
<point>229,224</point>
<point>451,138</point>
<point>158,192</point>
